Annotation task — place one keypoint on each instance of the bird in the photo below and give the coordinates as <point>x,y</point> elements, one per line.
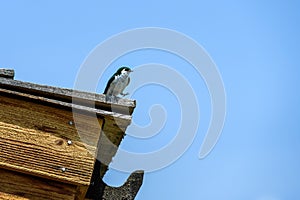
<point>117,83</point>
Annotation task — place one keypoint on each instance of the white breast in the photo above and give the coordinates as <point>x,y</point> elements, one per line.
<point>118,85</point>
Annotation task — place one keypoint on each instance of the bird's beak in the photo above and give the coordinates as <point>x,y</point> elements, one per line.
<point>130,70</point>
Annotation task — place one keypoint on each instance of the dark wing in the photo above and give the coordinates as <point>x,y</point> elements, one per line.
<point>108,84</point>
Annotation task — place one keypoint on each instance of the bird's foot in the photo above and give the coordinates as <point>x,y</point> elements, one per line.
<point>124,94</point>
<point>108,98</point>
<point>114,99</point>
<point>111,98</point>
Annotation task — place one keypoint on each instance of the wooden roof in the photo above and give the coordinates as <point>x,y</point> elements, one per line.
<point>39,135</point>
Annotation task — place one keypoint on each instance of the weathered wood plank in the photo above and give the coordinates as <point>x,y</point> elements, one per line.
<point>114,127</point>
<point>7,73</point>
<point>17,186</point>
<point>124,106</point>
<point>33,140</point>
<point>122,119</point>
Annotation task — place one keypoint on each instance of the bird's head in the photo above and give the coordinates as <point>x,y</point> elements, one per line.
<point>124,70</point>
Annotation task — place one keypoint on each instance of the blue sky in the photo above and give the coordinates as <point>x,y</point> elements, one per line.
<point>255,45</point>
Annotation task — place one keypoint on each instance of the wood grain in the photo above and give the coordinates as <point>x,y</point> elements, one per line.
<point>33,140</point>
<point>38,121</point>
<point>17,186</point>
<point>123,119</point>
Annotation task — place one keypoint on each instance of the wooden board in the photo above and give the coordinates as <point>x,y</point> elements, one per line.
<point>124,106</point>
<point>17,186</point>
<point>33,140</point>
<point>7,73</point>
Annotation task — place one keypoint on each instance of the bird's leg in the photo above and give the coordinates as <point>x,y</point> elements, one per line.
<point>111,98</point>
<point>114,99</point>
<point>107,98</point>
